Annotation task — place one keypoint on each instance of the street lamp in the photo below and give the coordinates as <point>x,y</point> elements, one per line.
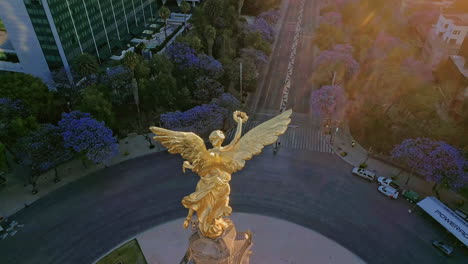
<point>240,82</point>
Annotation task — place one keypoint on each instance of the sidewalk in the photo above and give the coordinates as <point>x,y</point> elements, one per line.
<point>15,195</point>
<point>357,155</point>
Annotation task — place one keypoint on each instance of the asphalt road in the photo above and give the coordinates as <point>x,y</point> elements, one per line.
<point>269,95</point>
<point>83,220</point>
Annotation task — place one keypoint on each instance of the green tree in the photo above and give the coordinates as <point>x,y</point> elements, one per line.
<point>164,13</point>
<point>85,65</point>
<point>210,34</point>
<point>131,60</point>
<point>256,41</point>
<point>160,63</point>
<point>185,8</point>
<point>192,40</point>
<point>31,91</point>
<point>3,159</point>
<point>142,70</point>
<point>327,36</point>
<point>249,74</point>
<point>94,101</point>
<point>213,9</point>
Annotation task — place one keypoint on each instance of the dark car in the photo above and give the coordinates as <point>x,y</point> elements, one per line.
<point>444,248</point>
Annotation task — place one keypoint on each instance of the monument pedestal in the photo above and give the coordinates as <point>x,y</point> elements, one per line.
<point>231,247</point>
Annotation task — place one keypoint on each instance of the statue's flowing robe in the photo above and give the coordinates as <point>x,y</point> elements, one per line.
<point>211,202</point>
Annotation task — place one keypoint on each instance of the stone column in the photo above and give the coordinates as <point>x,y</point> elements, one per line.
<point>231,247</point>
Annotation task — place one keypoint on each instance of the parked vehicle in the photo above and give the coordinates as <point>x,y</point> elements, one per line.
<point>366,174</point>
<point>411,196</point>
<point>388,191</point>
<point>388,182</point>
<point>442,247</point>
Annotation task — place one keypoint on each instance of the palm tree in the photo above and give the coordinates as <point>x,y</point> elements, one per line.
<point>210,34</point>
<point>85,65</point>
<point>185,8</point>
<point>241,4</point>
<point>165,13</point>
<point>131,60</point>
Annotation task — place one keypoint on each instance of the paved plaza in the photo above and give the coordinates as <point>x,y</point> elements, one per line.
<point>275,242</point>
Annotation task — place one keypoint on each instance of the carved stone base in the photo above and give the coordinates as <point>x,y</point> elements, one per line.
<point>230,248</point>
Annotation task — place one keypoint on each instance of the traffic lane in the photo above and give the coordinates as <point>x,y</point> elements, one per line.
<point>301,88</point>
<point>276,75</point>
<point>84,220</point>
<point>324,196</point>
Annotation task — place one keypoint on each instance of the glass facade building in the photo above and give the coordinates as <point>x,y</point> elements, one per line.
<point>98,27</point>
<point>67,28</point>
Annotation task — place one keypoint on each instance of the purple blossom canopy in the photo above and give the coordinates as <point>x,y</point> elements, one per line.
<point>211,67</point>
<point>436,160</point>
<point>418,68</point>
<point>183,55</point>
<point>341,54</point>
<point>263,27</point>
<point>186,57</point>
<point>331,18</point>
<point>328,101</point>
<point>88,136</point>
<point>384,44</point>
<point>43,149</point>
<point>228,102</point>
<point>271,16</point>
<point>201,119</point>
<point>260,58</point>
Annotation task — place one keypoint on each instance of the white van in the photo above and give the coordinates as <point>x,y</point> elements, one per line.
<point>368,175</point>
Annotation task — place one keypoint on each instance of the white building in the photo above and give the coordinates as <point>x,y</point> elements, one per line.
<point>445,38</point>
<point>452,28</point>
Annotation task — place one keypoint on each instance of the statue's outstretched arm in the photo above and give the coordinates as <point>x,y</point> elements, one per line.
<point>240,118</point>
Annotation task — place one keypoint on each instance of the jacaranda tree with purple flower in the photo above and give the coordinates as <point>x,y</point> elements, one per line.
<point>187,60</point>
<point>329,102</point>
<point>259,57</point>
<point>335,66</point>
<point>88,137</point>
<point>437,161</point>
<point>261,26</point>
<point>271,17</point>
<point>331,18</point>
<point>201,119</point>
<point>43,150</point>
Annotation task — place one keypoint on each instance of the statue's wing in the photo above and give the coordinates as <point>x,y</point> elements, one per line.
<point>253,141</point>
<point>190,146</point>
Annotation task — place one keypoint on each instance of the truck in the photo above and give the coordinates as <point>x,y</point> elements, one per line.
<point>411,196</point>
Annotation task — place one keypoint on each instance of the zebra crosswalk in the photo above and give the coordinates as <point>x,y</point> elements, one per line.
<point>303,133</point>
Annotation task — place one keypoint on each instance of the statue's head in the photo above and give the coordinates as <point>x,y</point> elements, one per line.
<point>216,138</point>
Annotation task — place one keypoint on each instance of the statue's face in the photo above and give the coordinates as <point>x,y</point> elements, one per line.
<point>216,138</point>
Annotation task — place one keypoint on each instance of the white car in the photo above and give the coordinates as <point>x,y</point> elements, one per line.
<point>368,175</point>
<point>444,248</point>
<point>388,191</point>
<point>387,182</point>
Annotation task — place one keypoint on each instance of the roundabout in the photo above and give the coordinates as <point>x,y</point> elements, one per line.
<point>84,220</point>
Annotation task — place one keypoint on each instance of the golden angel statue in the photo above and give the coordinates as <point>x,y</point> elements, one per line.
<point>210,200</point>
